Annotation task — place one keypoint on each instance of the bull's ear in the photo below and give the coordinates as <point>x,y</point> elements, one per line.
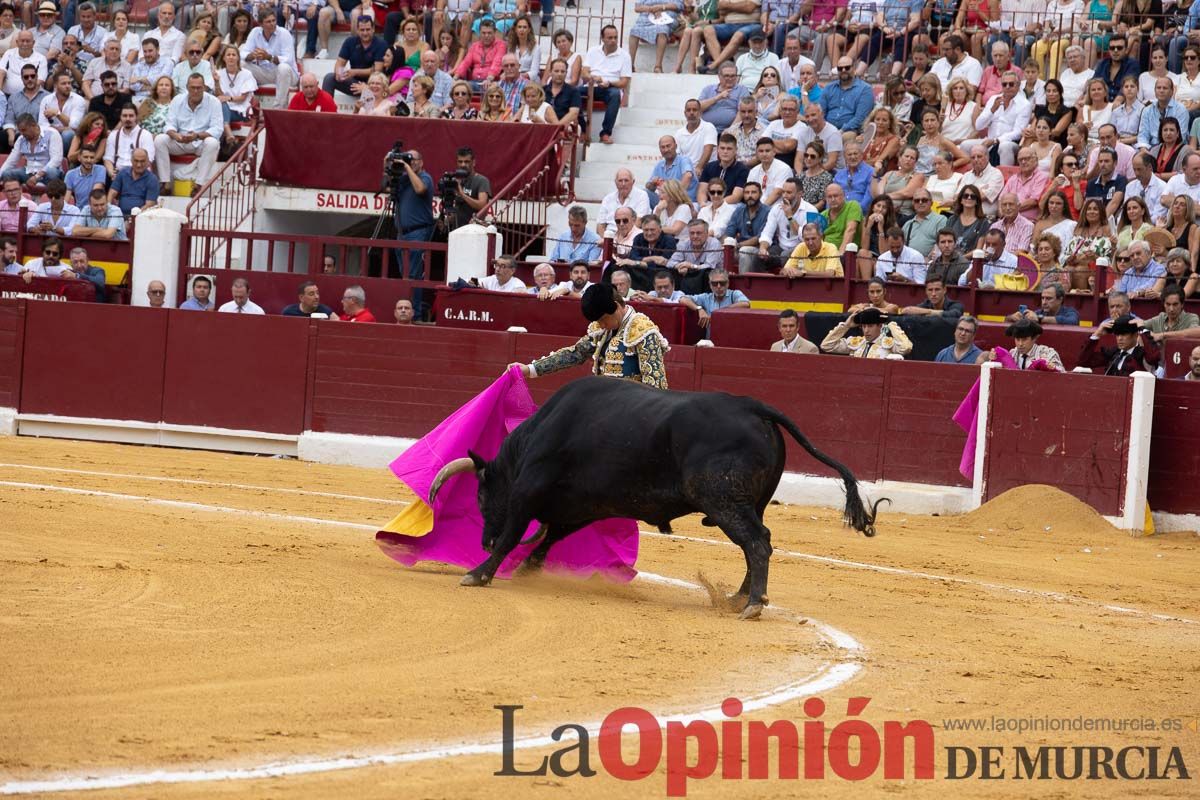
<point>480,464</point>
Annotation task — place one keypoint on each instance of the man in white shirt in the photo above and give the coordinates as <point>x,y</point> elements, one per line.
<point>787,131</point>
<point>1074,76</point>
<point>194,63</point>
<point>194,127</point>
<point>502,279</point>
<point>792,61</point>
<point>664,289</point>
<point>817,128</point>
<point>751,64</point>
<point>63,110</point>
<point>899,262</point>
<point>696,139</point>
<point>997,261</point>
<point>128,136</point>
<point>770,172</point>
<point>1004,118</point>
<point>1148,186</point>
<point>110,60</point>
<point>16,57</point>
<point>579,282</point>
<point>1186,182</point>
<point>608,68</point>
<point>47,33</point>
<point>627,193</point>
<point>241,302</point>
<point>784,229</point>
<point>955,63</point>
<point>169,38</point>
<point>985,177</point>
<point>270,55</point>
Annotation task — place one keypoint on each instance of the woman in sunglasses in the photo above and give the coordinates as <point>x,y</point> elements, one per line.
<point>460,102</point>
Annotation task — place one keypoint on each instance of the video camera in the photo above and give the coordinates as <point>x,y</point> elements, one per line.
<point>448,184</point>
<point>392,169</point>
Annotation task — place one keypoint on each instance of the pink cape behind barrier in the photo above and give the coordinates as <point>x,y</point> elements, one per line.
<point>967,415</point>
<point>608,547</point>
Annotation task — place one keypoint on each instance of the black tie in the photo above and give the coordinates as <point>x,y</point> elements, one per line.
<point>1022,361</point>
<point>867,352</point>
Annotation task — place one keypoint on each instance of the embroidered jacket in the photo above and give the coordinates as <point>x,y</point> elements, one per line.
<point>634,351</point>
<point>891,339</point>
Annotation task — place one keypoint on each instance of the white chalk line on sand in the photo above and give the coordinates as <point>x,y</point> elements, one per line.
<point>826,678</point>
<point>199,482</point>
<point>840,562</point>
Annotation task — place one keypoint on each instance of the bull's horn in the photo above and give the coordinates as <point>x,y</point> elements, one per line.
<point>538,535</point>
<point>453,468</point>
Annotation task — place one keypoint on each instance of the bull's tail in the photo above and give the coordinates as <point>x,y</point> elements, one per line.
<point>855,513</point>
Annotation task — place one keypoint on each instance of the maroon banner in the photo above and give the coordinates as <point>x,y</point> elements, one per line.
<point>343,151</point>
<point>13,286</point>
<point>499,311</point>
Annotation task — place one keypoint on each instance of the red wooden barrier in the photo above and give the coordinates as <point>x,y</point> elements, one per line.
<point>1072,433</point>
<point>836,403</point>
<point>12,334</point>
<point>52,289</point>
<point>256,388</point>
<point>921,443</point>
<point>1175,448</point>
<point>392,380</point>
<point>93,360</point>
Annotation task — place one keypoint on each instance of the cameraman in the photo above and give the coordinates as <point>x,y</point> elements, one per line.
<point>412,197</point>
<point>472,190</point>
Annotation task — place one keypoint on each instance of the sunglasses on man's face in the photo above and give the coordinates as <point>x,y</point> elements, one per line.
<point>716,191</point>
<point>718,283</point>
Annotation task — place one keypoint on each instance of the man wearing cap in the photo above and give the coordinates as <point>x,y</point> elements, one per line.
<point>621,342</point>
<point>751,64</point>
<point>1133,353</point>
<point>1026,352</point>
<point>873,343</point>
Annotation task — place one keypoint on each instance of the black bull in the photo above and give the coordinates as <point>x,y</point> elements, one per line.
<point>603,448</point>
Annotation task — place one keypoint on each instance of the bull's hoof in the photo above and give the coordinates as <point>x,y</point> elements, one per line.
<point>471,579</point>
<point>665,528</point>
<point>737,601</point>
<point>752,611</point>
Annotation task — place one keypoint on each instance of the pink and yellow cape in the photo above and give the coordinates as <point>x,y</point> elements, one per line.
<point>451,531</point>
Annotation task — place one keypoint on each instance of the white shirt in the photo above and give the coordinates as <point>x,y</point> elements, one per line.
<point>1146,83</point>
<point>96,66</point>
<point>968,68</point>
<point>776,175</point>
<point>66,219</point>
<point>1005,263</point>
<point>790,74</point>
<point>568,287</point>
<point>170,42</point>
<point>1073,83</point>
<point>492,284</point>
<point>990,184</point>
<point>121,144</point>
<point>692,143</point>
<point>281,45</point>
<point>910,263</point>
<point>241,83</point>
<point>1152,194</point>
<point>778,228</point>
<point>609,66</point>
<point>1178,185</point>
<point>638,200</point>
<point>750,66</point>
<point>46,151</point>
<point>717,226</point>
<point>250,307</point>
<point>41,270</point>
<point>1185,88</point>
<point>777,131</point>
<point>130,41</point>
<point>75,107</point>
<point>12,62</point>
<point>1006,122</point>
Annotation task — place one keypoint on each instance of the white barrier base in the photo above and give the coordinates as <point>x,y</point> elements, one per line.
<point>8,422</point>
<point>164,434</point>
<point>350,450</point>
<point>1167,523</point>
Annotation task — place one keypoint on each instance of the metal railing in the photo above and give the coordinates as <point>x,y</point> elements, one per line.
<point>304,254</point>
<point>226,202</point>
<point>518,210</point>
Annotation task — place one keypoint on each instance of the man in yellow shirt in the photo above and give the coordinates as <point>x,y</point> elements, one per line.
<point>813,256</point>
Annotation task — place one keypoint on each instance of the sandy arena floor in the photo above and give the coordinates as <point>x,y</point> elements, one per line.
<point>172,613</point>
